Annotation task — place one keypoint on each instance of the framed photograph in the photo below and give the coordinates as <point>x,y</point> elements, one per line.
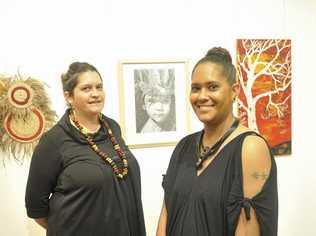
<point>154,109</point>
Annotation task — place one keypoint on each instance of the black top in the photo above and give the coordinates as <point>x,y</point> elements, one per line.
<point>79,194</point>
<point>210,204</point>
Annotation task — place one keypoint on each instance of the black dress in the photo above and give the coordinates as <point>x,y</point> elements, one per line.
<point>79,194</point>
<point>210,204</point>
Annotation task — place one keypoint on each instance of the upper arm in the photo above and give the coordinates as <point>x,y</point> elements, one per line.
<point>256,165</point>
<point>258,208</point>
<point>43,173</point>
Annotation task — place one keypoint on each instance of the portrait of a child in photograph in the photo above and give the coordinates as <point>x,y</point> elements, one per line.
<point>155,100</point>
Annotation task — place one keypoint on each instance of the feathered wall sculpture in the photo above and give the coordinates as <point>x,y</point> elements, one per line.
<point>25,114</point>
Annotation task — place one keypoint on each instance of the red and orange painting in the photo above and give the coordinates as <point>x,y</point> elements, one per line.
<point>264,102</point>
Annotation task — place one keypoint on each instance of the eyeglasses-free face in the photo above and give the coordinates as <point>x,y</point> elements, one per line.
<point>157,106</point>
<point>88,95</point>
<point>211,95</point>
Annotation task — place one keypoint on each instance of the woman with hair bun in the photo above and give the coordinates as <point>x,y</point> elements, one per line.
<point>83,179</point>
<point>221,180</point>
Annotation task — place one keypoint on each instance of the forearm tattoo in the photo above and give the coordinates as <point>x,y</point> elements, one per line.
<point>260,176</point>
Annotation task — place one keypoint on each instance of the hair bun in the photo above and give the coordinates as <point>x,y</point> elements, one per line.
<point>219,52</point>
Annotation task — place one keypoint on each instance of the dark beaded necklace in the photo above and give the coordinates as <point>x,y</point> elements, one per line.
<point>206,151</point>
<point>120,173</point>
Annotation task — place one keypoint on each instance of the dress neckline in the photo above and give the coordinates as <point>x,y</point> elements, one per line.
<point>218,153</point>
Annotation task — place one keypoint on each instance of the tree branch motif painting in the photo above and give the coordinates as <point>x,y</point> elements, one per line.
<point>264,102</point>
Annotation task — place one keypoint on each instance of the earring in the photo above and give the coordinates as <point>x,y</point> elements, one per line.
<point>100,116</point>
<point>69,104</point>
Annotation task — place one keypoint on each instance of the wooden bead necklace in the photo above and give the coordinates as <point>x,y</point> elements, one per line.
<point>119,172</point>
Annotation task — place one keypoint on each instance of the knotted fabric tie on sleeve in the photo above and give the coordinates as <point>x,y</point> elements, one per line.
<point>247,203</point>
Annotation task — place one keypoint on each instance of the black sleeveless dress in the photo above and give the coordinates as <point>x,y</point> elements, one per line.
<point>210,204</point>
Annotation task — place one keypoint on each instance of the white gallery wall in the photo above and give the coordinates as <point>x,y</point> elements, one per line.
<point>41,38</point>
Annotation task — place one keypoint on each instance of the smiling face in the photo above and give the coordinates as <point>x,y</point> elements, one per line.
<point>211,95</point>
<point>87,98</point>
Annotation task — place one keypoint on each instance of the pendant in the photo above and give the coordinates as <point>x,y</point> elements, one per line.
<point>198,164</point>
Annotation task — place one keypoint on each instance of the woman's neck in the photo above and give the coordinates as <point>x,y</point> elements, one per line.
<point>213,132</point>
<point>90,122</point>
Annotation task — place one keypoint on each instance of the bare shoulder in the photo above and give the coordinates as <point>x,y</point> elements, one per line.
<point>256,158</point>
<point>255,147</point>
<point>256,164</point>
<point>253,143</point>
<point>242,129</point>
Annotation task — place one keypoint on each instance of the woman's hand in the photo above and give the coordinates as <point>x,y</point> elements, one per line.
<point>42,222</point>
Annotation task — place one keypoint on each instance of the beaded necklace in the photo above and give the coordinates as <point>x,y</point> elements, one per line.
<point>119,172</point>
